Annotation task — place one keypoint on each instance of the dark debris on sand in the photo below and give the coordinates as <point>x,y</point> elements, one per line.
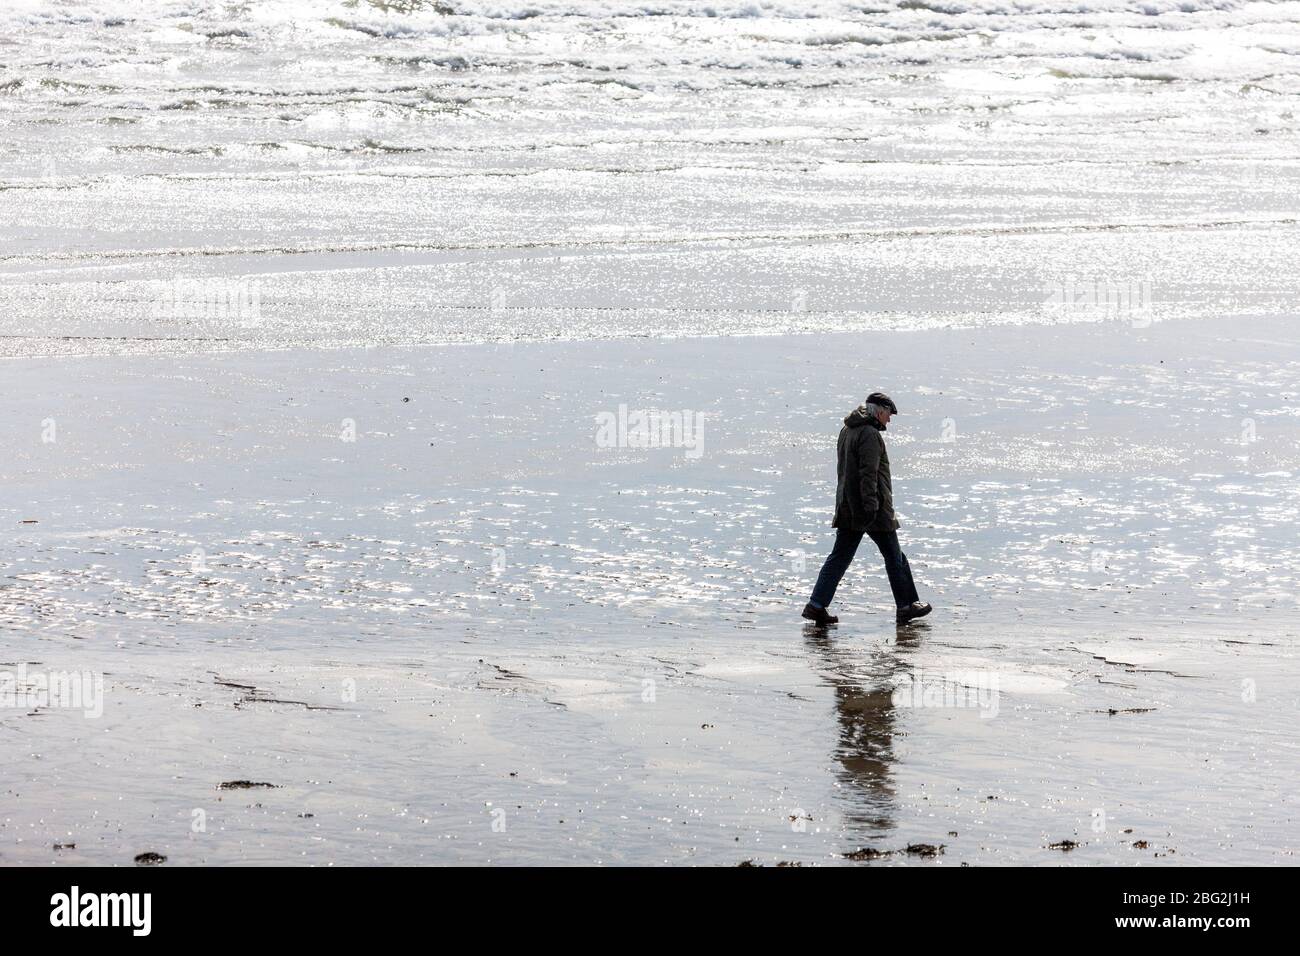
<point>149,859</point>
<point>245,785</point>
<point>867,853</point>
<point>912,849</point>
<point>924,849</point>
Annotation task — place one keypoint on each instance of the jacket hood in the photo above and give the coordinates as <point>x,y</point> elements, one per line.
<point>859,417</point>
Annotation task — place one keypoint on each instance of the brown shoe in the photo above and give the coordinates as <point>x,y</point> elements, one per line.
<point>819,616</point>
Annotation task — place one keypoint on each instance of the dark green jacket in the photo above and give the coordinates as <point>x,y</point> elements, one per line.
<point>864,495</point>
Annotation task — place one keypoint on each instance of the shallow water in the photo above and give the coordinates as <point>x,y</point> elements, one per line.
<point>391,173</point>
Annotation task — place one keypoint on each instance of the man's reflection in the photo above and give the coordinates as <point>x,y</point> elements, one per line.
<point>864,708</point>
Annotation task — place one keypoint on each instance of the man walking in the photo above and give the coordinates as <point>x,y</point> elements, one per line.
<point>864,504</point>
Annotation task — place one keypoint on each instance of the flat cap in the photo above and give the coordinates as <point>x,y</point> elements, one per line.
<point>883,400</point>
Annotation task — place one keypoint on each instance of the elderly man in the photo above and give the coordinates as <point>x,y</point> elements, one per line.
<point>864,504</point>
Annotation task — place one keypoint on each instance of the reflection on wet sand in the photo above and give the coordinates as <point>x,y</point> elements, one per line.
<point>865,712</point>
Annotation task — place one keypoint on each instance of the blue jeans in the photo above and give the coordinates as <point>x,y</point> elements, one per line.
<point>846,546</point>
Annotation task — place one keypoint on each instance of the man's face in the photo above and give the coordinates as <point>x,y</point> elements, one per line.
<point>884,415</point>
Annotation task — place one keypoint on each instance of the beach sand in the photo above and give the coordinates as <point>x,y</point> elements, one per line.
<point>473,634</point>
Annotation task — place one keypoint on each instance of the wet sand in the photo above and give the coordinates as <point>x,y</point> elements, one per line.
<point>475,635</point>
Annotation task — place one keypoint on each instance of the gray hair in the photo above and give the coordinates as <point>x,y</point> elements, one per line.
<point>871,409</point>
